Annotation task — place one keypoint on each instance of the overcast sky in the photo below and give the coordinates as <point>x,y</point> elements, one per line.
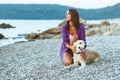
<point>74,3</point>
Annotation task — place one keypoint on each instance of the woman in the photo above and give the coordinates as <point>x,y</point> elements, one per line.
<point>72,30</point>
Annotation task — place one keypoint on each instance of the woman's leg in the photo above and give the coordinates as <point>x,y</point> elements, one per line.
<point>67,59</point>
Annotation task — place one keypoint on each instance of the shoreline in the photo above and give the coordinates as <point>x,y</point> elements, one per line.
<point>39,59</point>
<point>13,37</point>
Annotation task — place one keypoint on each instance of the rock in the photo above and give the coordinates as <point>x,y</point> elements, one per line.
<point>31,36</point>
<point>46,36</point>
<point>83,21</point>
<point>115,30</point>
<point>50,33</point>
<point>3,25</point>
<point>54,31</point>
<point>104,23</point>
<point>1,36</point>
<point>91,33</point>
<point>92,25</point>
<point>57,36</point>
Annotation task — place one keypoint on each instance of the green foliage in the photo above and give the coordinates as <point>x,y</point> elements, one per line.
<point>53,11</point>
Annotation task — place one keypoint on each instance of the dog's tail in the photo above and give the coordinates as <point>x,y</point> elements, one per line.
<point>97,58</point>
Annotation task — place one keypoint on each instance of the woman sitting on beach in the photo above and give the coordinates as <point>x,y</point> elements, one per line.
<point>72,30</point>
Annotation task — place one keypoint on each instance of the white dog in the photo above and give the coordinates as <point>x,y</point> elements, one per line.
<point>91,56</point>
<point>80,47</point>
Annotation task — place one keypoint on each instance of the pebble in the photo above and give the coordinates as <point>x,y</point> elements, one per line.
<point>39,60</point>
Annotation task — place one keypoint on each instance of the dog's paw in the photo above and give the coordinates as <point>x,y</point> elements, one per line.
<point>82,66</point>
<point>67,67</point>
<point>75,65</point>
<point>71,67</point>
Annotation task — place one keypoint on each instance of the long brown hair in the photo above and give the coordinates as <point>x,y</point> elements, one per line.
<point>74,18</point>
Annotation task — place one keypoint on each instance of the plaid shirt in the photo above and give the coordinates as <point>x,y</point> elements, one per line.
<point>65,36</point>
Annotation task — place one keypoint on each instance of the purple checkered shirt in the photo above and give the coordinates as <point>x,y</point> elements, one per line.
<point>65,36</point>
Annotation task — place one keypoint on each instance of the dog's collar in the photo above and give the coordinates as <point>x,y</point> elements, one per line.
<point>78,52</point>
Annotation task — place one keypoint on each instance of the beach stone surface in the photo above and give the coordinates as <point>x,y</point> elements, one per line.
<point>39,60</point>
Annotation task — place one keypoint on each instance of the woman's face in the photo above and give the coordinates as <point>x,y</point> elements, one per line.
<point>68,16</point>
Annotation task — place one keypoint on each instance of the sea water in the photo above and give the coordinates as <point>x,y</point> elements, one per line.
<point>23,27</point>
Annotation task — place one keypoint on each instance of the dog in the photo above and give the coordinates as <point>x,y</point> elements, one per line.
<point>80,48</point>
<point>91,56</point>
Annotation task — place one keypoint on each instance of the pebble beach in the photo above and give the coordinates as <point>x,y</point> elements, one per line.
<point>39,60</point>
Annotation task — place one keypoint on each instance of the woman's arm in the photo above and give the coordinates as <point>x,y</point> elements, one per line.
<point>65,38</point>
<point>68,46</point>
<point>64,35</point>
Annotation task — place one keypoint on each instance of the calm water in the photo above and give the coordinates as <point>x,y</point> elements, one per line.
<point>29,26</point>
<point>24,27</point>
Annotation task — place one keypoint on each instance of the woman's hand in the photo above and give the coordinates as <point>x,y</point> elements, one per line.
<point>73,49</point>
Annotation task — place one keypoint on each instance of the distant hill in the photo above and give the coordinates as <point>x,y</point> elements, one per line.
<point>53,11</point>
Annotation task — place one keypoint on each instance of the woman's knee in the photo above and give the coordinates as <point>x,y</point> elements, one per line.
<point>67,63</point>
<point>67,59</point>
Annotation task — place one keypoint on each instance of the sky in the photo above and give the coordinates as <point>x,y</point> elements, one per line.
<point>86,4</point>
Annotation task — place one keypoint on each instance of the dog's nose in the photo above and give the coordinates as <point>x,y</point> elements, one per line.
<point>79,47</point>
<point>85,46</point>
